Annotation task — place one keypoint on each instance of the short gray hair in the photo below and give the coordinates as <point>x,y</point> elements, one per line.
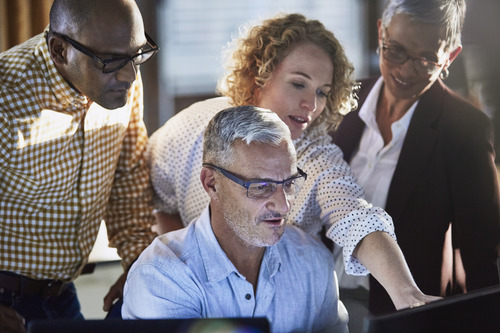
<point>241,123</point>
<point>450,14</point>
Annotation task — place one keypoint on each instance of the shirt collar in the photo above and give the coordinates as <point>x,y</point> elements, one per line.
<point>217,264</point>
<point>63,92</point>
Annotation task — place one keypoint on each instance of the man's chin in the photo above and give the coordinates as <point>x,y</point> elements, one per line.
<point>112,104</point>
<point>276,237</point>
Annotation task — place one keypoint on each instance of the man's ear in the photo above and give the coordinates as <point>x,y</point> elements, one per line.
<point>58,49</point>
<point>209,182</point>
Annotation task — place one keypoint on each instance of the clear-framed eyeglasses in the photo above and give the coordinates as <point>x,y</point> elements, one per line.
<point>113,64</point>
<point>262,189</point>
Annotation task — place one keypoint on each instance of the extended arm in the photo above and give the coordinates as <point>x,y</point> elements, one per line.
<point>366,233</point>
<point>381,255</point>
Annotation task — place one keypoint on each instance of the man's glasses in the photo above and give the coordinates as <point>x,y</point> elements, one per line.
<point>398,55</point>
<point>113,64</point>
<point>265,188</point>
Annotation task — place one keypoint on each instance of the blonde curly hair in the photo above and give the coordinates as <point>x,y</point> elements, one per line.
<point>254,56</point>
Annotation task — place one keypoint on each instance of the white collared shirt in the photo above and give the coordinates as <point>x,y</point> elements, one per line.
<point>373,163</point>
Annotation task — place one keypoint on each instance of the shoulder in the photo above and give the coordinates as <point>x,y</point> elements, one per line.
<point>169,249</point>
<point>191,121</point>
<point>200,111</point>
<point>314,143</point>
<point>317,154</point>
<point>17,61</point>
<point>458,114</point>
<point>19,69</point>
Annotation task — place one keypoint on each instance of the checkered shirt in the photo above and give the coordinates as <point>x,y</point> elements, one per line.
<point>65,165</point>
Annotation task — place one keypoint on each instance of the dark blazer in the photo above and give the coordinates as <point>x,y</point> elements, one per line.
<point>445,174</point>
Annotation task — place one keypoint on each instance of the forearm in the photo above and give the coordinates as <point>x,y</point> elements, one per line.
<point>381,255</point>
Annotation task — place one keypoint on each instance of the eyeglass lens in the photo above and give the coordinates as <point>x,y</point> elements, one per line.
<point>399,56</point>
<point>266,189</point>
<point>115,64</point>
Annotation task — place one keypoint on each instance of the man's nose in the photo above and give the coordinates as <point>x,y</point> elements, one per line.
<point>280,201</point>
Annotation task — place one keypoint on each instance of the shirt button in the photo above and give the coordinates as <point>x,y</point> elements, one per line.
<point>248,296</point>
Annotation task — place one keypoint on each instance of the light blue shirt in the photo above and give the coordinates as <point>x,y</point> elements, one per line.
<point>186,274</point>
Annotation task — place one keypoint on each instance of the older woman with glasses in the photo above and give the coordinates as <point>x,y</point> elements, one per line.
<point>297,69</point>
<point>425,155</point>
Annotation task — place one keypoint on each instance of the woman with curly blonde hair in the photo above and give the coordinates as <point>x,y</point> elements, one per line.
<point>254,58</point>
<point>298,69</point>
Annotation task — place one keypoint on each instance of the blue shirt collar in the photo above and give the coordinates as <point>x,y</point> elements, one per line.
<point>217,265</point>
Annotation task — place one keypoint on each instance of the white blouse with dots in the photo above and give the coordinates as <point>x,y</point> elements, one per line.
<point>330,197</point>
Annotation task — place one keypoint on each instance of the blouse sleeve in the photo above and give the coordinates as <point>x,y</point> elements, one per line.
<point>332,190</point>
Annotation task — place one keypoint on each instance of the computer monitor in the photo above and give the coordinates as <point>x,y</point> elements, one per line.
<point>476,311</point>
<point>227,325</point>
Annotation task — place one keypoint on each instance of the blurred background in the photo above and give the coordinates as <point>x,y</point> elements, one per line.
<point>191,35</point>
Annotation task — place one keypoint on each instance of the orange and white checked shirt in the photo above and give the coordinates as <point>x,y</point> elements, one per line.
<point>65,165</point>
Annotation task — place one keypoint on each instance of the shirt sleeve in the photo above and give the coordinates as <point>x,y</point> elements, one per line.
<point>333,189</point>
<point>129,216</point>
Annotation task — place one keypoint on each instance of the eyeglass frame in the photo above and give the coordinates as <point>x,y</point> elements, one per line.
<point>104,62</point>
<point>409,57</point>
<point>246,185</point>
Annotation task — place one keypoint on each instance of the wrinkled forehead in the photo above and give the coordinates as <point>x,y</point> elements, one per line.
<point>262,160</point>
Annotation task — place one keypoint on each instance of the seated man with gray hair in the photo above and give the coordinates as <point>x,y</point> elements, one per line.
<point>240,259</point>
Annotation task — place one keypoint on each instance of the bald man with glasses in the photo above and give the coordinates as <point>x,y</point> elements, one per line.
<point>71,155</point>
<point>239,258</point>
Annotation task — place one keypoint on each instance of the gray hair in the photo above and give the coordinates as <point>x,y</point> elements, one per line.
<point>450,14</point>
<point>246,123</point>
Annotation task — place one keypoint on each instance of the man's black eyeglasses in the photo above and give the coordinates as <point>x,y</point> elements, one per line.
<point>113,64</point>
<point>263,189</point>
